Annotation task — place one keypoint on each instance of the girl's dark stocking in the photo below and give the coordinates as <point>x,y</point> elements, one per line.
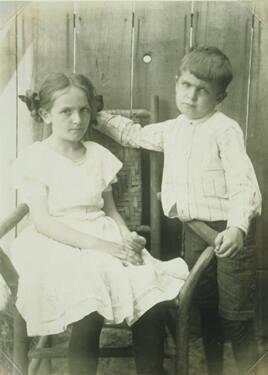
<point>84,345</point>
<point>148,341</point>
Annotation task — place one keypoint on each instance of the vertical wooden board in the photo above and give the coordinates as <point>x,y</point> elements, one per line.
<point>162,32</point>
<point>226,25</point>
<point>258,131</point>
<point>27,130</point>
<point>8,80</point>
<point>262,303</point>
<point>104,48</point>
<point>53,39</point>
<point>45,45</point>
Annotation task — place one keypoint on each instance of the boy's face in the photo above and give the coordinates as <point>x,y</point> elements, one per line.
<point>196,98</point>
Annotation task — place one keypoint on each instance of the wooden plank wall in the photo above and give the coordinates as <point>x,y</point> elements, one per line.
<point>257,149</point>
<point>8,125</point>
<point>111,41</point>
<point>228,28</point>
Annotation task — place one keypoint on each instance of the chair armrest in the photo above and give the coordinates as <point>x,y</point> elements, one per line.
<point>196,273</point>
<point>204,231</point>
<point>199,227</point>
<point>13,219</point>
<point>9,273</point>
<point>7,269</point>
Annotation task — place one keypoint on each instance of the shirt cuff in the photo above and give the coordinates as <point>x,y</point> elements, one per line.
<point>241,223</point>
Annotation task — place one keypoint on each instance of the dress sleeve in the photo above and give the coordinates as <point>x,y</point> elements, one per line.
<point>28,176</point>
<point>110,167</point>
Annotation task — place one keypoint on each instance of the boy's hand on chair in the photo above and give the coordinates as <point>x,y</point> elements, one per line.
<point>229,242</point>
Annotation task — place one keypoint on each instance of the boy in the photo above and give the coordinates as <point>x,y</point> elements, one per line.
<point>208,176</point>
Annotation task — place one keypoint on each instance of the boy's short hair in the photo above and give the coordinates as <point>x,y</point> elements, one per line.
<point>208,64</point>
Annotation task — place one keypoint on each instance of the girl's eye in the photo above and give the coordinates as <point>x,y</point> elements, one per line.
<point>66,111</point>
<point>85,110</point>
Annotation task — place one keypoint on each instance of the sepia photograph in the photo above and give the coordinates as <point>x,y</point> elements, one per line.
<point>133,170</point>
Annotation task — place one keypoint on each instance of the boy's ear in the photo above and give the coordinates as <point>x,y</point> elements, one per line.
<point>44,115</point>
<point>221,97</point>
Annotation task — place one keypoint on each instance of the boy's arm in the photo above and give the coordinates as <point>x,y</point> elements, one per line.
<point>243,189</point>
<point>128,133</point>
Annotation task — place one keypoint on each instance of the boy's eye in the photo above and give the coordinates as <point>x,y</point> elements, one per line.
<point>185,84</point>
<point>203,91</point>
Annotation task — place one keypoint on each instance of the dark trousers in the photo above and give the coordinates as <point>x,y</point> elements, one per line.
<point>225,299</point>
<point>241,335</point>
<point>148,343</point>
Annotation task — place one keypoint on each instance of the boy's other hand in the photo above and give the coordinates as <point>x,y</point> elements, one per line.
<point>229,242</point>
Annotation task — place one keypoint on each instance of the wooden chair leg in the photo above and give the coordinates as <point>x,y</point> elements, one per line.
<point>35,363</point>
<point>47,362</point>
<point>21,344</point>
<point>182,342</point>
<point>183,311</point>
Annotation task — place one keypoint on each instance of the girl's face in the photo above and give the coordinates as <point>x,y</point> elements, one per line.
<point>69,114</point>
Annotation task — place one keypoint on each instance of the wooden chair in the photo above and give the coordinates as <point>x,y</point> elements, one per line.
<point>21,354</point>
<point>28,360</point>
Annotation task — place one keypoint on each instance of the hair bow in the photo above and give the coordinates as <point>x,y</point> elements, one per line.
<point>31,99</point>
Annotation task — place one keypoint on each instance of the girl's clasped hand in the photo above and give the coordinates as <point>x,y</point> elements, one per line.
<point>133,245</point>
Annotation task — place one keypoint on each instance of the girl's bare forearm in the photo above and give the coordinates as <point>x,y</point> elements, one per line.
<point>63,233</point>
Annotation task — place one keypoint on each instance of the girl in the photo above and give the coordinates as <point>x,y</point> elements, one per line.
<point>77,261</point>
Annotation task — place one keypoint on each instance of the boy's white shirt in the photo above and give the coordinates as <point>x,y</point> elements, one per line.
<point>207,174</point>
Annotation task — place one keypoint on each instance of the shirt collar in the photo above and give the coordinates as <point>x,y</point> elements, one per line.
<point>199,120</point>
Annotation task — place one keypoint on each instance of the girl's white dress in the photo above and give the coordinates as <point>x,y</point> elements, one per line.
<point>60,284</point>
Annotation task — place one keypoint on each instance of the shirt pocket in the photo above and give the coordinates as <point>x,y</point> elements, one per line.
<point>214,183</point>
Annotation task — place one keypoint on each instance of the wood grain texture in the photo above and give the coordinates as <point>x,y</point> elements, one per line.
<point>8,107</point>
<point>53,39</point>
<point>162,31</point>
<point>226,25</point>
<point>257,149</point>
<point>27,130</point>
<point>258,131</point>
<point>104,49</point>
<point>262,303</point>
